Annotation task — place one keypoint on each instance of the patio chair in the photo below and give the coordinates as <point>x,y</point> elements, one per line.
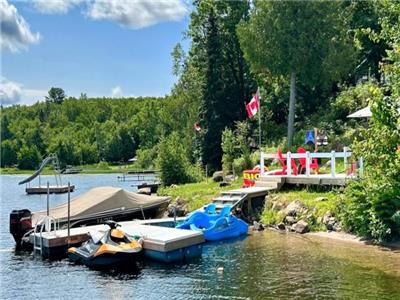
<point>284,166</point>
<point>313,163</point>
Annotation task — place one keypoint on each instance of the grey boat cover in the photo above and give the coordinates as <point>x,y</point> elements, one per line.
<point>99,201</point>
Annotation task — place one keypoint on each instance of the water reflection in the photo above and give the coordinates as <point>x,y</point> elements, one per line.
<point>267,265</point>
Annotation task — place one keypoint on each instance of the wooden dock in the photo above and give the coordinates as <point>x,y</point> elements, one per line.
<point>53,189</point>
<point>164,244</point>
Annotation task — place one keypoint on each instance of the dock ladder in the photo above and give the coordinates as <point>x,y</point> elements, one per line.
<point>44,225</point>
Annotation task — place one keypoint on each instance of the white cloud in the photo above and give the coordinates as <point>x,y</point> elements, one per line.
<point>14,93</point>
<point>137,14</point>
<point>116,92</point>
<point>130,13</point>
<point>55,6</point>
<point>15,31</point>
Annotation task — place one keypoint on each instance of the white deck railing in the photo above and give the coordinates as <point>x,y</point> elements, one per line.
<point>333,156</point>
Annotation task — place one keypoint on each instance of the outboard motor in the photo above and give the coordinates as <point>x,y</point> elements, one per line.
<point>20,223</point>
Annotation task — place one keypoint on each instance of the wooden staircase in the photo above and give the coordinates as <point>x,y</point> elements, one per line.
<point>275,182</point>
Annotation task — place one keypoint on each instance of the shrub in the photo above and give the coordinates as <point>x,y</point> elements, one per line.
<point>28,158</point>
<point>8,154</point>
<point>172,161</point>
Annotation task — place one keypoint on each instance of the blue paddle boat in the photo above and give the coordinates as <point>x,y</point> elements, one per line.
<point>215,226</point>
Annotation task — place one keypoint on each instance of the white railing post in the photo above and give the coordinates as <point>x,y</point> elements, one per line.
<point>308,163</point>
<point>262,164</point>
<point>345,159</point>
<point>361,163</point>
<point>288,164</point>
<point>333,164</point>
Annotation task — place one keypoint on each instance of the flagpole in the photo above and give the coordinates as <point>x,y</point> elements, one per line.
<point>259,119</point>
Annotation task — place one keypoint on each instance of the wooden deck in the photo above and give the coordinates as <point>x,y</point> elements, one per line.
<point>54,189</point>
<point>312,179</point>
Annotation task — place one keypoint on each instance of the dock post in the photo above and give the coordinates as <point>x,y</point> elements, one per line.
<point>308,161</point>
<point>361,166</point>
<point>333,164</point>
<point>48,199</point>
<point>262,164</point>
<point>69,210</point>
<point>289,164</point>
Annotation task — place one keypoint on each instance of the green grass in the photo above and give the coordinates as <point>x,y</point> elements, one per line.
<point>198,194</point>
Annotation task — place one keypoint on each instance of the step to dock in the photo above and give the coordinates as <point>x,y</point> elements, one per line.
<point>164,244</point>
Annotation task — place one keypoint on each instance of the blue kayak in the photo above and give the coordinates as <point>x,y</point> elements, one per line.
<point>215,226</point>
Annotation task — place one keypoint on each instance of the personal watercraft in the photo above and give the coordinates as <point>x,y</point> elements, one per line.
<point>112,249</point>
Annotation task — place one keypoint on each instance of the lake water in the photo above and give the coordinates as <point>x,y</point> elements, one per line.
<point>266,265</point>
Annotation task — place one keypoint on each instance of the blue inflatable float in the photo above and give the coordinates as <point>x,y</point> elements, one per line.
<point>215,226</point>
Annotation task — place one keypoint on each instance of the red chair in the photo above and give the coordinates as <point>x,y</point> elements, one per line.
<point>284,166</point>
<point>313,163</point>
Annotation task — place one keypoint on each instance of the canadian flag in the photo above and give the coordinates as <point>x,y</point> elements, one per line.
<point>254,105</point>
<point>197,127</point>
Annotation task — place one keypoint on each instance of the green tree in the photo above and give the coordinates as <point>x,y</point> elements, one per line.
<point>225,78</point>
<point>56,95</point>
<point>304,40</point>
<point>172,161</point>
<point>228,150</point>
<point>8,153</point>
<point>28,157</point>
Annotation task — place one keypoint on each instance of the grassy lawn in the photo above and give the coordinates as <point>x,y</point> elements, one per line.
<point>198,194</point>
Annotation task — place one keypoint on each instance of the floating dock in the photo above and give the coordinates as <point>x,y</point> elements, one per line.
<point>161,243</point>
<point>54,189</point>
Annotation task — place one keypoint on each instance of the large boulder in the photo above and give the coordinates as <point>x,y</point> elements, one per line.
<point>290,220</point>
<point>179,206</point>
<point>300,227</point>
<point>218,176</point>
<point>294,208</point>
<point>277,206</point>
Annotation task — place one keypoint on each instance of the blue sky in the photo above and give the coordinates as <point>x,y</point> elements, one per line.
<point>122,48</point>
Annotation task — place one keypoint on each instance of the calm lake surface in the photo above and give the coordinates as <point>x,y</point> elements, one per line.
<point>265,265</point>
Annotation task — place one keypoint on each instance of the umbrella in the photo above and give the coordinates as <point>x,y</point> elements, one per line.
<point>362,113</point>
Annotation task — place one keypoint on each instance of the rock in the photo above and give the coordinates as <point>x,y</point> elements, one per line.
<point>230,178</point>
<point>257,226</point>
<point>218,176</point>
<point>290,220</point>
<point>277,206</point>
<point>224,183</point>
<point>144,191</point>
<point>173,186</point>
<point>300,227</point>
<point>281,226</point>
<point>326,217</point>
<point>294,208</point>
<point>179,206</point>
<point>320,199</point>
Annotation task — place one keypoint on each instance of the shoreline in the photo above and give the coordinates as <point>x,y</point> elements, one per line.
<point>344,237</point>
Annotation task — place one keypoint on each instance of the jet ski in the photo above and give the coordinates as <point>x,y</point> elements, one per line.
<point>112,249</point>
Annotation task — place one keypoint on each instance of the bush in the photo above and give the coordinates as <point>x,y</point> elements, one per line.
<point>173,163</point>
<point>372,209</point>
<point>372,205</point>
<point>28,158</point>
<point>8,154</point>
